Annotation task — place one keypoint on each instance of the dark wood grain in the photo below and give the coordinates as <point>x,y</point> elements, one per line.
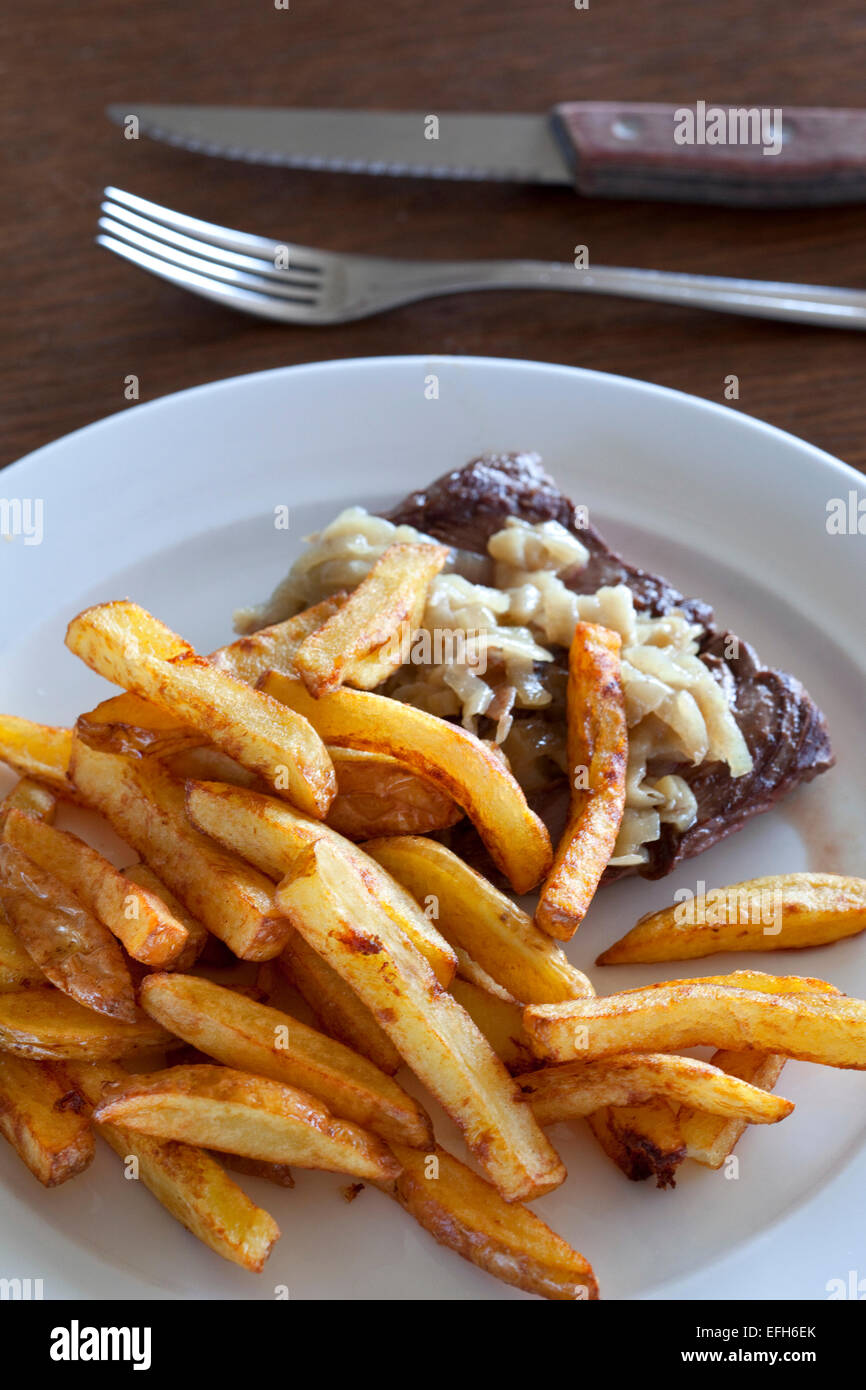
<point>78,320</point>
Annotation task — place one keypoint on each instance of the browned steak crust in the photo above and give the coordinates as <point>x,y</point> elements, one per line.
<point>782,725</point>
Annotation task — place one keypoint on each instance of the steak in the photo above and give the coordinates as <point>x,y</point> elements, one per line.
<point>783,727</point>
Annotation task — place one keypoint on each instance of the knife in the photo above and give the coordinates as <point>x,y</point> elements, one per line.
<point>748,157</point>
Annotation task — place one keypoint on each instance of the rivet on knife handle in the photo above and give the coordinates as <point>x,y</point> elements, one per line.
<point>716,154</point>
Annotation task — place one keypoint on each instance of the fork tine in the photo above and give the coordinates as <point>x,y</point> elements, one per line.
<point>234,296</point>
<point>121,216</point>
<point>225,237</point>
<point>213,269</point>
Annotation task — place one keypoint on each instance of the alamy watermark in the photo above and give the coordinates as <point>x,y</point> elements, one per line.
<point>438,646</point>
<point>734,125</point>
<point>736,905</point>
<point>22,516</point>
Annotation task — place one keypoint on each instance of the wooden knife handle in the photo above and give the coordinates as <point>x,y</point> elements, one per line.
<point>644,150</point>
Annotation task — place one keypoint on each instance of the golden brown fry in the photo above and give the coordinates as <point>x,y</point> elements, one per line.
<point>278,1173</point>
<point>335,909</point>
<point>598,744</point>
<point>18,969</point>
<point>456,761</point>
<point>72,947</point>
<point>643,1140</point>
<point>575,1089</point>
<point>467,1214</point>
<point>39,751</point>
<point>32,798</point>
<point>128,646</point>
<point>253,1037</point>
<point>339,1011</point>
<point>189,1183</point>
<point>47,1025</point>
<point>141,921</point>
<point>224,1109</point>
<point>207,764</point>
<point>469,969</point>
<point>196,933</point>
<point>130,724</point>
<point>42,1122</point>
<point>272,835</point>
<point>377,795</point>
<point>501,1022</point>
<point>762,914</point>
<point>361,644</point>
<point>709,1139</point>
<point>683,1013</point>
<point>274,648</point>
<point>474,915</point>
<point>146,806</point>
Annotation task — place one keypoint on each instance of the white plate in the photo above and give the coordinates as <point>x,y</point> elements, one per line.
<point>173,504</point>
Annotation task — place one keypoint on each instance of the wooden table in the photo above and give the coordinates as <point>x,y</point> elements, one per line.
<point>82,321</point>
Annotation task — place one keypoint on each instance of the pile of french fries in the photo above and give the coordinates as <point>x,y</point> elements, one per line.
<point>284,814</point>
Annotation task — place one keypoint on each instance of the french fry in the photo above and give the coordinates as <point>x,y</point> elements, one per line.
<point>377,795</point>
<point>146,806</point>
<point>32,798</point>
<point>647,1140</point>
<point>18,969</point>
<point>271,835</point>
<point>130,724</point>
<point>338,1010</point>
<point>576,1089</point>
<point>598,743</point>
<point>709,1139</point>
<point>189,1183</point>
<point>471,913</point>
<point>467,1214</point>
<point>644,1141</point>
<point>208,764</point>
<point>39,751</point>
<point>196,932</point>
<point>501,1022</point>
<point>779,912</point>
<point>469,969</point>
<point>136,917</point>
<point>278,1173</point>
<point>128,646</point>
<point>41,1121</point>
<point>275,648</point>
<point>360,645</point>
<point>253,1037</point>
<point>336,910</point>
<point>224,1109</point>
<point>72,947</point>
<point>48,1026</point>
<point>456,761</point>
<point>685,1013</point>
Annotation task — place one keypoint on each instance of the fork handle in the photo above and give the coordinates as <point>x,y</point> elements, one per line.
<point>815,304</point>
<point>746,157</point>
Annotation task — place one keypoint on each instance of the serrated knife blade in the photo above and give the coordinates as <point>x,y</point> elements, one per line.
<point>514,148</point>
<point>749,157</point>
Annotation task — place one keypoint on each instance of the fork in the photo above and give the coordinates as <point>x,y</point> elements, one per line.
<point>300,284</point>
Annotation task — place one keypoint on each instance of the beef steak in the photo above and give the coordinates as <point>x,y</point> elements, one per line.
<point>782,725</point>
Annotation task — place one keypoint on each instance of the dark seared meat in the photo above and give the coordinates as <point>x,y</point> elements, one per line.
<point>782,725</point>
<point>465,507</point>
